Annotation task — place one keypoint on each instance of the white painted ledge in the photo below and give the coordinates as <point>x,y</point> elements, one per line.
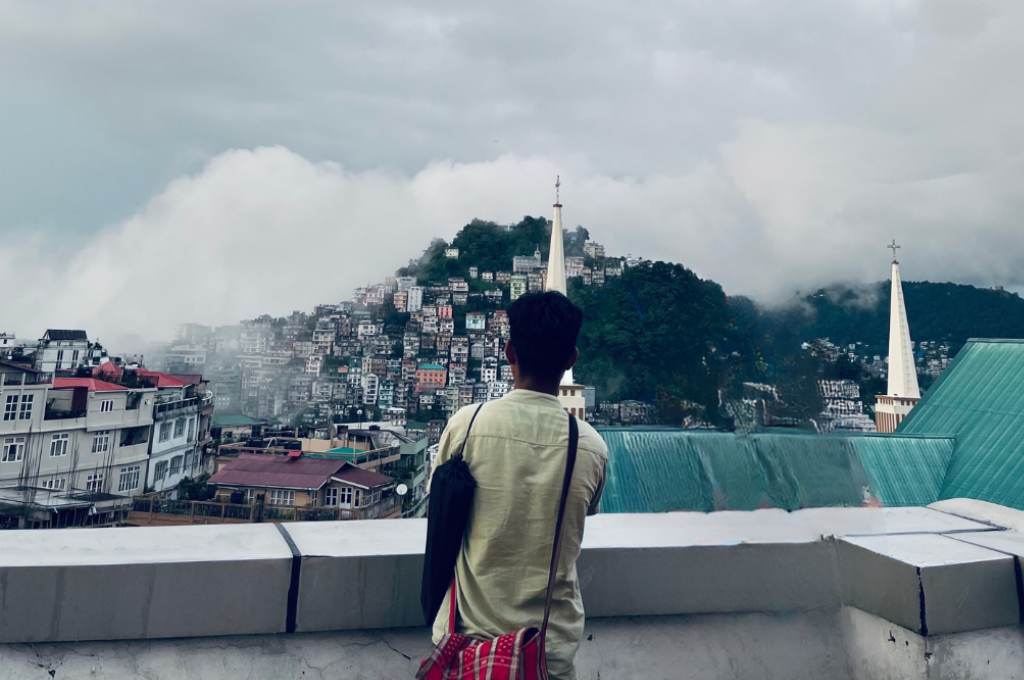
<point>147,583</point>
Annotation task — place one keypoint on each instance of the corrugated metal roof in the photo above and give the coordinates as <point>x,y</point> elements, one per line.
<point>659,470</point>
<point>979,399</point>
<point>267,470</point>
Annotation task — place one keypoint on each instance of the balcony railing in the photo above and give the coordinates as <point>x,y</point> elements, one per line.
<point>53,413</point>
<point>176,405</point>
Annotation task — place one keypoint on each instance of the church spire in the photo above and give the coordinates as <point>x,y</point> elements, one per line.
<point>556,253</point>
<point>902,371</point>
<point>902,392</point>
<point>556,259</point>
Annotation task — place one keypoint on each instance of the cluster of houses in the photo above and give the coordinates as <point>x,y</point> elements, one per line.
<point>86,438</point>
<point>83,433</point>
<point>405,351</point>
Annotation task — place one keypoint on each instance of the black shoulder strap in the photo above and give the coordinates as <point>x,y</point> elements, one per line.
<point>462,447</point>
<point>570,463</point>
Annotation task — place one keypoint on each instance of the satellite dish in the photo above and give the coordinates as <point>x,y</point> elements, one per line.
<point>401,489</point>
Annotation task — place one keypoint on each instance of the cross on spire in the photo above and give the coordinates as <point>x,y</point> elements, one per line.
<point>558,184</point>
<point>893,247</point>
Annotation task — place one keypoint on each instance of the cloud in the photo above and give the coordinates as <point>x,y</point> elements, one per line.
<point>272,158</point>
<point>268,231</point>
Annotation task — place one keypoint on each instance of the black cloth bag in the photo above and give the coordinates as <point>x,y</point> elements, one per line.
<point>451,498</point>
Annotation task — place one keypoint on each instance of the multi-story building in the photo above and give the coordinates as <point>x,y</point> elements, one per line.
<point>62,350</point>
<point>517,286</point>
<point>73,448</point>
<point>414,301</point>
<point>179,429</point>
<point>574,266</point>
<point>522,264</point>
<point>593,249</point>
<point>430,377</point>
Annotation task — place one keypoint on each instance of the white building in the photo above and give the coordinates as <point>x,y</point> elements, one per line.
<point>176,449</point>
<point>517,286</point>
<point>524,264</point>
<point>414,302</point>
<point>370,384</point>
<point>66,350</point>
<point>72,443</point>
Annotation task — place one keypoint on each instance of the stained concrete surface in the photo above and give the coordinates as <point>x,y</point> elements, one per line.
<point>739,647</point>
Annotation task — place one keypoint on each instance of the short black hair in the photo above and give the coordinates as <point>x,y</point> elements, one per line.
<point>544,328</point>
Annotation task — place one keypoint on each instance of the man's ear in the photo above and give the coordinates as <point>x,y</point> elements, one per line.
<point>572,359</point>
<point>510,353</point>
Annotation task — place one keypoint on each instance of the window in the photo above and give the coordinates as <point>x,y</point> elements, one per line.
<point>179,427</point>
<point>59,444</point>
<point>175,466</point>
<point>331,496</point>
<point>60,357</point>
<point>346,496</point>
<point>14,450</point>
<point>94,482</point>
<point>188,461</point>
<point>101,442</point>
<point>191,429</point>
<point>11,407</point>
<point>165,431</point>
<point>74,357</point>
<point>358,503</point>
<point>26,406</point>
<point>53,484</point>
<point>282,497</point>
<point>106,405</point>
<point>160,471</point>
<point>129,478</point>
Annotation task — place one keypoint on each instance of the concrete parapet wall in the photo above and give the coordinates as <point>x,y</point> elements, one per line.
<point>927,573</point>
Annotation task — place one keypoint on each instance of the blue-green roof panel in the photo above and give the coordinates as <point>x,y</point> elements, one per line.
<point>658,470</point>
<point>980,400</point>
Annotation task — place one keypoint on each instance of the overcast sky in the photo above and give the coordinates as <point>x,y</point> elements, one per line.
<point>172,161</point>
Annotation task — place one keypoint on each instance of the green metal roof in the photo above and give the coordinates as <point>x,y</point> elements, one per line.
<point>659,470</point>
<point>431,367</point>
<point>234,420</point>
<point>979,399</point>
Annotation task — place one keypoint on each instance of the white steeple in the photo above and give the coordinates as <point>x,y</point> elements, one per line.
<point>556,261</point>
<point>556,253</point>
<point>902,371</point>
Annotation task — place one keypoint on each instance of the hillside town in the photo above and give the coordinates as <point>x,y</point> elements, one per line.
<point>333,414</point>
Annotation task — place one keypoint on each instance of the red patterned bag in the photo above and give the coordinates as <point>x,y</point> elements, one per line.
<point>518,655</point>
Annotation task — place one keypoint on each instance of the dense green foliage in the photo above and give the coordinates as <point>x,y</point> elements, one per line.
<point>490,247</point>
<point>656,334</point>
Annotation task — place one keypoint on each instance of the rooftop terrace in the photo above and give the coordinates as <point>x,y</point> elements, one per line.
<point>836,593</point>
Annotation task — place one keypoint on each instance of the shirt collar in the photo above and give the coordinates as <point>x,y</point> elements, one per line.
<point>519,394</point>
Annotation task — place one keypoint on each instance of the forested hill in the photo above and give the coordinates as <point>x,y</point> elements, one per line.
<point>949,312</point>
<point>660,333</point>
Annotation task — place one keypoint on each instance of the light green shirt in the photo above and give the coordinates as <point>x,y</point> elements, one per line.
<point>517,452</point>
